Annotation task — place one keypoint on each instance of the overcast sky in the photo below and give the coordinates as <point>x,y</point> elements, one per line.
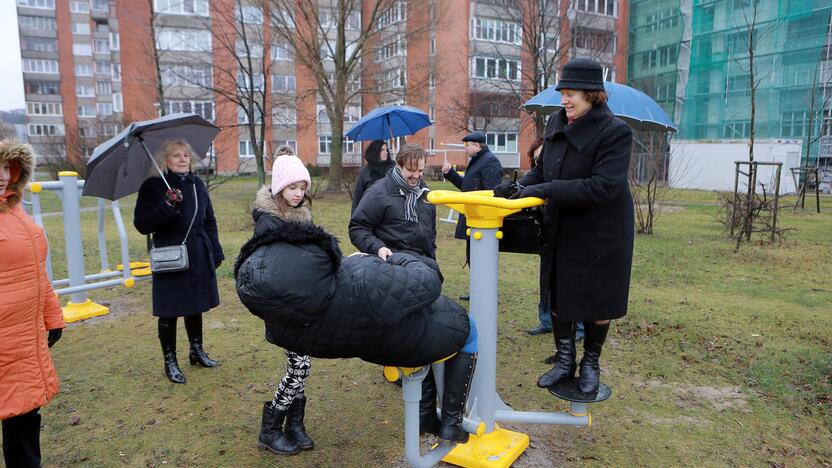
<point>11,75</point>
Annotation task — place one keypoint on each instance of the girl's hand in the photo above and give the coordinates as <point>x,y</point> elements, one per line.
<point>384,253</point>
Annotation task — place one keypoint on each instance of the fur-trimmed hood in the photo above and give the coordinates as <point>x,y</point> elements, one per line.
<point>21,159</point>
<point>266,204</point>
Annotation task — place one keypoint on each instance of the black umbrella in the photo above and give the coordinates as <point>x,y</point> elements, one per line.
<point>119,166</point>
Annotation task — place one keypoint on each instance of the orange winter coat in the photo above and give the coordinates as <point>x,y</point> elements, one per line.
<point>28,305</point>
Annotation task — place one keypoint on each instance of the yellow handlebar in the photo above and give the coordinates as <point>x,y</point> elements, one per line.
<point>481,208</point>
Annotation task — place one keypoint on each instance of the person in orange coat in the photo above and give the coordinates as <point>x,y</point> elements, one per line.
<point>28,311</point>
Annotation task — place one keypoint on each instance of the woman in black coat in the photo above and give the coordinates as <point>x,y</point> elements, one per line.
<point>588,249</point>
<point>378,165</point>
<point>166,214</point>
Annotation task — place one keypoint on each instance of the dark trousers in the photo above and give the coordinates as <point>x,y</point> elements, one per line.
<point>21,440</point>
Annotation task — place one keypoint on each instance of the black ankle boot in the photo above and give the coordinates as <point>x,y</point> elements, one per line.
<point>428,420</point>
<point>271,436</point>
<point>295,429</point>
<point>595,336</point>
<point>564,358</point>
<point>197,355</point>
<point>458,373</point>
<point>167,337</point>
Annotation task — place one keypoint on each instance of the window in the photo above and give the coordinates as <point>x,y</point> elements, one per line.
<point>250,48</point>
<point>282,18</point>
<point>323,116</point>
<point>432,112</point>
<point>737,129</point>
<point>116,75</point>
<point>80,28</point>
<point>352,113</point>
<point>193,40</point>
<point>486,67</point>
<point>328,19</point>
<point>495,30</point>
<point>395,78</point>
<point>205,109</point>
<point>102,46</point>
<point>283,83</point>
<point>41,4</point>
<point>84,91</point>
<point>601,7</point>
<point>182,7</point>
<point>101,27</point>
<point>249,14</point>
<point>39,23</point>
<point>103,87</point>
<point>44,108</point>
<point>738,85</point>
<point>104,108</point>
<point>42,87</point>
<point>108,129</point>
<point>186,75</point>
<point>284,116</point>
<point>290,143</point>
<point>737,42</point>
<point>396,13</point>
<point>595,40</point>
<point>87,132</point>
<point>392,48</point>
<point>46,130</point>
<point>101,5</point>
<point>103,67</point>
<point>433,46</point>
<point>282,52</point>
<point>501,142</point>
<point>79,6</point>
<point>242,115</point>
<point>86,111</point>
<point>325,145</point>
<point>38,44</point>
<point>432,144</point>
<point>40,66</point>
<point>431,80</point>
<point>118,102</point>
<point>246,149</point>
<point>82,49</point>
<point>244,81</point>
<point>793,124</point>
<point>115,44</point>
<point>83,69</point>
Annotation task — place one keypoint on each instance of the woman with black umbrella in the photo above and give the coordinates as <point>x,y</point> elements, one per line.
<point>378,165</point>
<point>588,250</point>
<point>181,213</point>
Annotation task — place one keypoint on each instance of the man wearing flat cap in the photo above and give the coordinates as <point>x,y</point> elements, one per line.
<point>483,173</point>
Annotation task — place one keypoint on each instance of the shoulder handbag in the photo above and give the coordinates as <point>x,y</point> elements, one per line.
<point>173,258</point>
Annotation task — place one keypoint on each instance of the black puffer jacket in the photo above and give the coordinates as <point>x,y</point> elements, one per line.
<point>291,275</point>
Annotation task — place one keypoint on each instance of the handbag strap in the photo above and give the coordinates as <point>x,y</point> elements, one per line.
<point>196,209</point>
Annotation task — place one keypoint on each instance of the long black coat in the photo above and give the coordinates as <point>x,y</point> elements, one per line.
<point>313,302</point>
<point>588,250</point>
<point>379,221</point>
<point>369,174</point>
<point>484,172</point>
<point>194,290</point>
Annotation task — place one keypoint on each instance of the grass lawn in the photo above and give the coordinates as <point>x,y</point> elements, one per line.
<point>724,359</point>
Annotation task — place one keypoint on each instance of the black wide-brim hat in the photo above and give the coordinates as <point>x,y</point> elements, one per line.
<point>583,74</point>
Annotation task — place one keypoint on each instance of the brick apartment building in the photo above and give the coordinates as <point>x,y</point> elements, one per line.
<point>88,69</point>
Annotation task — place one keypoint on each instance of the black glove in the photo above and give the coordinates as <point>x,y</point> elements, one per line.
<point>54,336</point>
<point>537,190</point>
<point>507,189</point>
<point>173,196</point>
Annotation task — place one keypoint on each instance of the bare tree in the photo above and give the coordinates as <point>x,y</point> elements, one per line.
<point>648,177</point>
<point>818,99</point>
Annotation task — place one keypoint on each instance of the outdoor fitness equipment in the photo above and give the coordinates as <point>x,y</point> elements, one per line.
<point>489,445</point>
<point>68,188</point>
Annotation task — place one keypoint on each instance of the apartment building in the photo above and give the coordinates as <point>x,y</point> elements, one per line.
<point>89,69</point>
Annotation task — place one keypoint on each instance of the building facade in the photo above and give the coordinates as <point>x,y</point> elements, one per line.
<point>89,68</point>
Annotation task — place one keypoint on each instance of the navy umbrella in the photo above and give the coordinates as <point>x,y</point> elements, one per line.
<point>389,122</point>
<point>118,166</point>
<point>639,110</point>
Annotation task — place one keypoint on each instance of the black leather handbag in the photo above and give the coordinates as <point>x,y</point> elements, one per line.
<point>523,232</point>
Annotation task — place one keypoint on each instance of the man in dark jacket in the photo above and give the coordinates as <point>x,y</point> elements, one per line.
<point>483,173</point>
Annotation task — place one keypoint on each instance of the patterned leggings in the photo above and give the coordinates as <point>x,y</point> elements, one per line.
<point>298,368</point>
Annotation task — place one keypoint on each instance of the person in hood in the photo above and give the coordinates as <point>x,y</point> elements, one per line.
<point>172,216</point>
<point>31,319</point>
<point>314,302</point>
<point>378,165</point>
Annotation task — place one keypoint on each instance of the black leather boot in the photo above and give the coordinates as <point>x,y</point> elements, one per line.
<point>594,338</point>
<point>564,358</point>
<point>458,373</point>
<point>428,420</point>
<point>167,337</point>
<point>197,356</point>
<point>295,429</point>
<point>271,436</point>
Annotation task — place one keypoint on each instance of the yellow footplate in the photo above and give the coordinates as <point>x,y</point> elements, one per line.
<point>74,312</point>
<point>496,449</point>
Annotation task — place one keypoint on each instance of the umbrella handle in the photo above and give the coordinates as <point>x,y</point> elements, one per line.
<point>153,160</point>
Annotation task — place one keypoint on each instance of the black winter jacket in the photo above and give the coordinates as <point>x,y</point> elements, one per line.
<point>313,302</point>
<point>484,172</point>
<point>370,174</point>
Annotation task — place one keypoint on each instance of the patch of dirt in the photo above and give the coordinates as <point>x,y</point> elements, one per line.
<point>722,398</point>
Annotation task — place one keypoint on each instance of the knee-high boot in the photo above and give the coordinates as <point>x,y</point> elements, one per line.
<point>196,355</point>
<point>564,358</point>
<point>458,373</point>
<point>595,336</point>
<point>167,337</point>
<point>428,421</point>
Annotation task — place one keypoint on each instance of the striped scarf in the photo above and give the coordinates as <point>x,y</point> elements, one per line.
<point>412,195</point>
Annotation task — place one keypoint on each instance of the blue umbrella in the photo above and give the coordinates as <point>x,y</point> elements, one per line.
<point>639,110</point>
<point>389,122</point>
<point>118,166</point>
